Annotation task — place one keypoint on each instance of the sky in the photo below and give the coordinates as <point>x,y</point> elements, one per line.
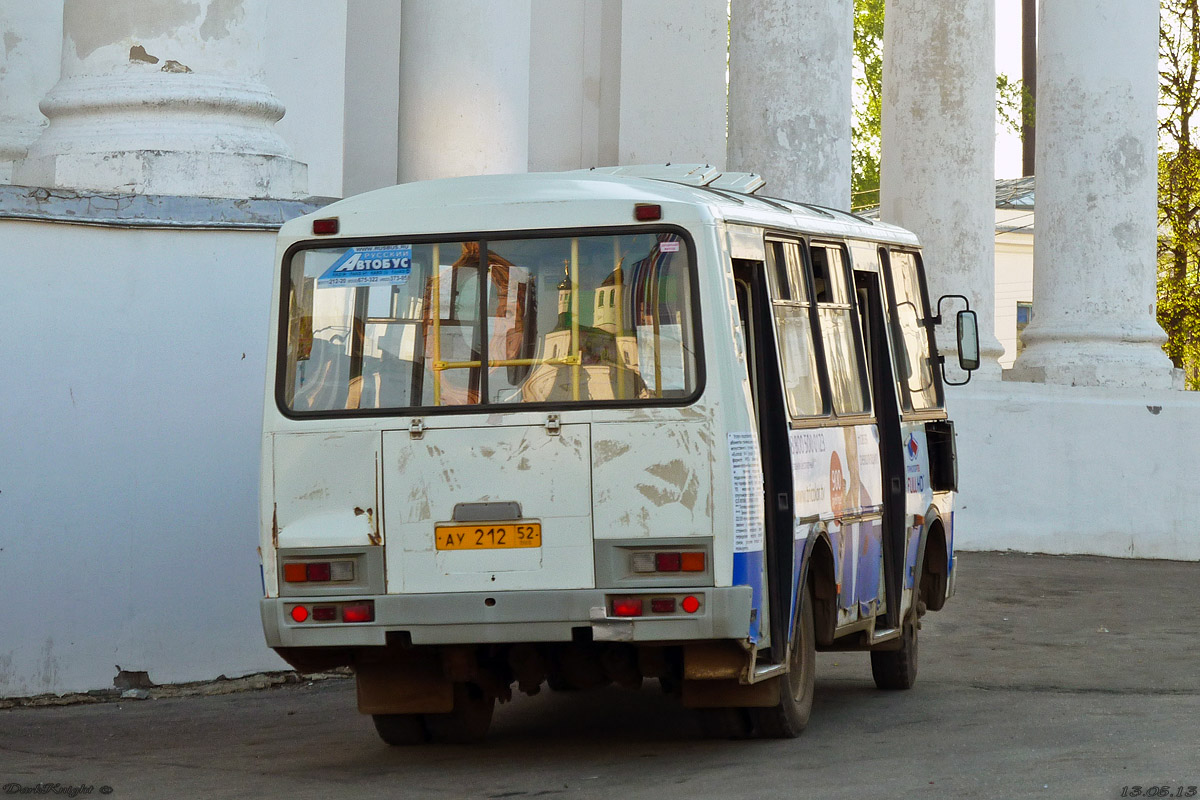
<point>1008,61</point>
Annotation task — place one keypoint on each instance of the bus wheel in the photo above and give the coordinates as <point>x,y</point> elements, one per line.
<point>725,723</point>
<point>897,669</point>
<point>400,730</point>
<point>788,719</point>
<point>468,722</point>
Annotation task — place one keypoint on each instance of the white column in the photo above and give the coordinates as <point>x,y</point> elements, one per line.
<point>1096,162</point>
<point>938,152</point>
<point>673,61</point>
<point>30,40</point>
<point>372,95</point>
<point>574,84</point>
<point>306,64</point>
<point>790,97</point>
<point>163,98</point>
<point>464,88</point>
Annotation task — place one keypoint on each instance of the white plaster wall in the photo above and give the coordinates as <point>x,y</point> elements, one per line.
<point>372,96</point>
<point>1057,469</point>
<point>132,397</point>
<point>305,67</point>
<point>673,58</point>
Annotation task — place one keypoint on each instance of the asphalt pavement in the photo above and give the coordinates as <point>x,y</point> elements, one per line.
<point>1047,677</point>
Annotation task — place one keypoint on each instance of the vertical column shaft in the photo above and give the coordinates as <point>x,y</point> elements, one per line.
<point>790,96</point>
<point>1095,248</point>
<point>673,57</point>
<point>464,88</point>
<point>938,153</point>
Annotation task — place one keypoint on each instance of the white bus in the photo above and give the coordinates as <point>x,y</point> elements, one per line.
<point>601,426</point>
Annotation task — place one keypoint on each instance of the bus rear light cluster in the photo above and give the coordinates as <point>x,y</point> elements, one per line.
<point>637,606</point>
<point>346,612</point>
<point>645,561</point>
<point>318,571</point>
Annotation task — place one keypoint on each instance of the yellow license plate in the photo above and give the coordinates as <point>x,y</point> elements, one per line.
<point>489,536</point>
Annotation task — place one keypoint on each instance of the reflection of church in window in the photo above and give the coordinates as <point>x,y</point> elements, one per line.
<point>608,351</point>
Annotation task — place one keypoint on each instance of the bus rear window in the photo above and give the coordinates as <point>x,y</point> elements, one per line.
<point>559,320</point>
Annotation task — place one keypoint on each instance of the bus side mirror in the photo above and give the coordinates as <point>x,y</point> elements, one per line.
<point>968,341</point>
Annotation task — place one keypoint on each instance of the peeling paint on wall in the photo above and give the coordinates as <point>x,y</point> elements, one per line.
<point>94,25</point>
<point>220,18</point>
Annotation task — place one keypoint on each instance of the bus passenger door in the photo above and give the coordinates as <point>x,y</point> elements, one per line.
<point>754,311</point>
<point>887,411</point>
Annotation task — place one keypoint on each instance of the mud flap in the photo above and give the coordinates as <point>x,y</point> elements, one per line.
<point>409,686</point>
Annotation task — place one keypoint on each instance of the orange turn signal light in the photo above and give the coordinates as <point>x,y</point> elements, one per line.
<point>692,562</point>
<point>295,573</point>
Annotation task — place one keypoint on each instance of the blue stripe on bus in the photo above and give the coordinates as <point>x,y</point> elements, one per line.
<point>950,545</point>
<point>748,571</point>
<point>799,553</point>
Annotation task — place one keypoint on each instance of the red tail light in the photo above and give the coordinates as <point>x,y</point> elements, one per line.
<point>299,613</point>
<point>324,613</point>
<point>318,572</point>
<point>359,612</point>
<point>663,605</point>
<point>690,604</point>
<point>627,607</point>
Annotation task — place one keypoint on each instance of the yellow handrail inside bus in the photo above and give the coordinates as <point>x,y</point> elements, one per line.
<point>619,299</point>
<point>575,348</point>
<point>435,300</point>
<point>565,361</point>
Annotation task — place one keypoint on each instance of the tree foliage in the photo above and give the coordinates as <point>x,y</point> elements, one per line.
<point>868,83</point>
<point>1179,185</point>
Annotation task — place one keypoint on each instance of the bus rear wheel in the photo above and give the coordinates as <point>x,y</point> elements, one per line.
<point>788,719</point>
<point>897,669</point>
<point>400,730</point>
<point>468,722</point>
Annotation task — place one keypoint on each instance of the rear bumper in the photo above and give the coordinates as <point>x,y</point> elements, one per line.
<point>504,617</point>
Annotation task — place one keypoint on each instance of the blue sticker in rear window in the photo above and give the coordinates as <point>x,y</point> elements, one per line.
<point>366,266</point>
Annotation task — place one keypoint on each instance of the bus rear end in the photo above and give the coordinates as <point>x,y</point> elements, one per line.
<point>489,462</point>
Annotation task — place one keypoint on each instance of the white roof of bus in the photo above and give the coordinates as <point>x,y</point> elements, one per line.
<point>575,199</point>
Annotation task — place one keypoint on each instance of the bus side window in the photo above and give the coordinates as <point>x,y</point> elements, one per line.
<point>843,354</point>
<point>793,327</point>
<point>910,331</point>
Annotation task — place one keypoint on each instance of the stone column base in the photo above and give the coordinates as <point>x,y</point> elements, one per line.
<point>163,172</point>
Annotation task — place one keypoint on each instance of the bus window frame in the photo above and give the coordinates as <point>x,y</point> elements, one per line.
<point>283,282</point>
<point>826,417</point>
<point>829,417</point>
<point>868,415</point>
<point>907,411</point>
